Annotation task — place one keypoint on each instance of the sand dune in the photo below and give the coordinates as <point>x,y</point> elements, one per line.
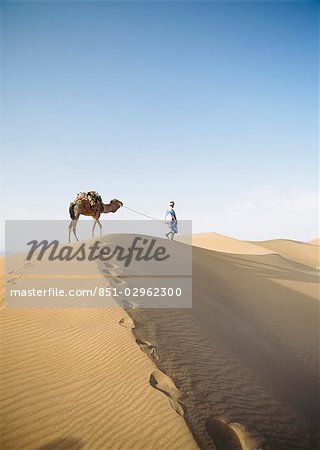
<point>301,252</point>
<point>315,242</point>
<point>240,366</point>
<point>220,243</point>
<point>75,378</point>
<point>2,282</point>
<point>245,357</point>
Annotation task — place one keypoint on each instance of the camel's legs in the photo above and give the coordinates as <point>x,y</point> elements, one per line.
<point>70,228</point>
<point>74,228</point>
<point>96,221</point>
<point>99,223</point>
<point>94,225</point>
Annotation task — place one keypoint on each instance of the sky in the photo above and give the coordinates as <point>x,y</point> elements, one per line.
<point>211,104</point>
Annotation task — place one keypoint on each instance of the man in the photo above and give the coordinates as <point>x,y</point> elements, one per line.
<point>172,222</point>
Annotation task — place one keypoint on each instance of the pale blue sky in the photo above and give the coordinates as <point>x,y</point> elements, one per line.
<point>211,104</point>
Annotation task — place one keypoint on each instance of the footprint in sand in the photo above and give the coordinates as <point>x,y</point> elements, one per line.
<point>110,265</point>
<point>148,348</point>
<point>128,305</point>
<point>116,281</point>
<point>222,435</point>
<point>165,384</point>
<point>13,279</point>
<point>110,271</point>
<point>127,322</point>
<point>29,264</point>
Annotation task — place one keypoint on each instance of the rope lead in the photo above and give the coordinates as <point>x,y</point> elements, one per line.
<point>141,214</point>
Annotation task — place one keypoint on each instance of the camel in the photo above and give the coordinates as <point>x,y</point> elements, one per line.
<point>82,205</point>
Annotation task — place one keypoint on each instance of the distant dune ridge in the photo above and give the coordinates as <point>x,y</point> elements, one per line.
<point>226,244</point>
<point>240,367</point>
<point>300,252</point>
<point>306,253</point>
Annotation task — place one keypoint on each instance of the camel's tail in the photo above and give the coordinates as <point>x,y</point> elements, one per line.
<point>71,210</point>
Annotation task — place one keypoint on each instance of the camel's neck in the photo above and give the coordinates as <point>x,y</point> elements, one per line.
<point>107,207</point>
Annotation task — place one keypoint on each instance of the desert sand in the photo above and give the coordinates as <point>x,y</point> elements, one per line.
<point>300,252</point>
<point>245,357</point>
<point>225,244</point>
<point>76,379</point>
<point>307,253</point>
<point>240,367</point>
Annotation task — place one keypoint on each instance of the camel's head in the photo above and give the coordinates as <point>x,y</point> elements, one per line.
<point>115,205</point>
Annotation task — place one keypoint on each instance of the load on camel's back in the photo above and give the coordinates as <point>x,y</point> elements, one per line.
<point>90,204</point>
<point>92,196</point>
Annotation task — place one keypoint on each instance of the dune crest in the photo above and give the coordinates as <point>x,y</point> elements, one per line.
<point>306,253</point>
<point>301,252</point>
<point>225,244</point>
